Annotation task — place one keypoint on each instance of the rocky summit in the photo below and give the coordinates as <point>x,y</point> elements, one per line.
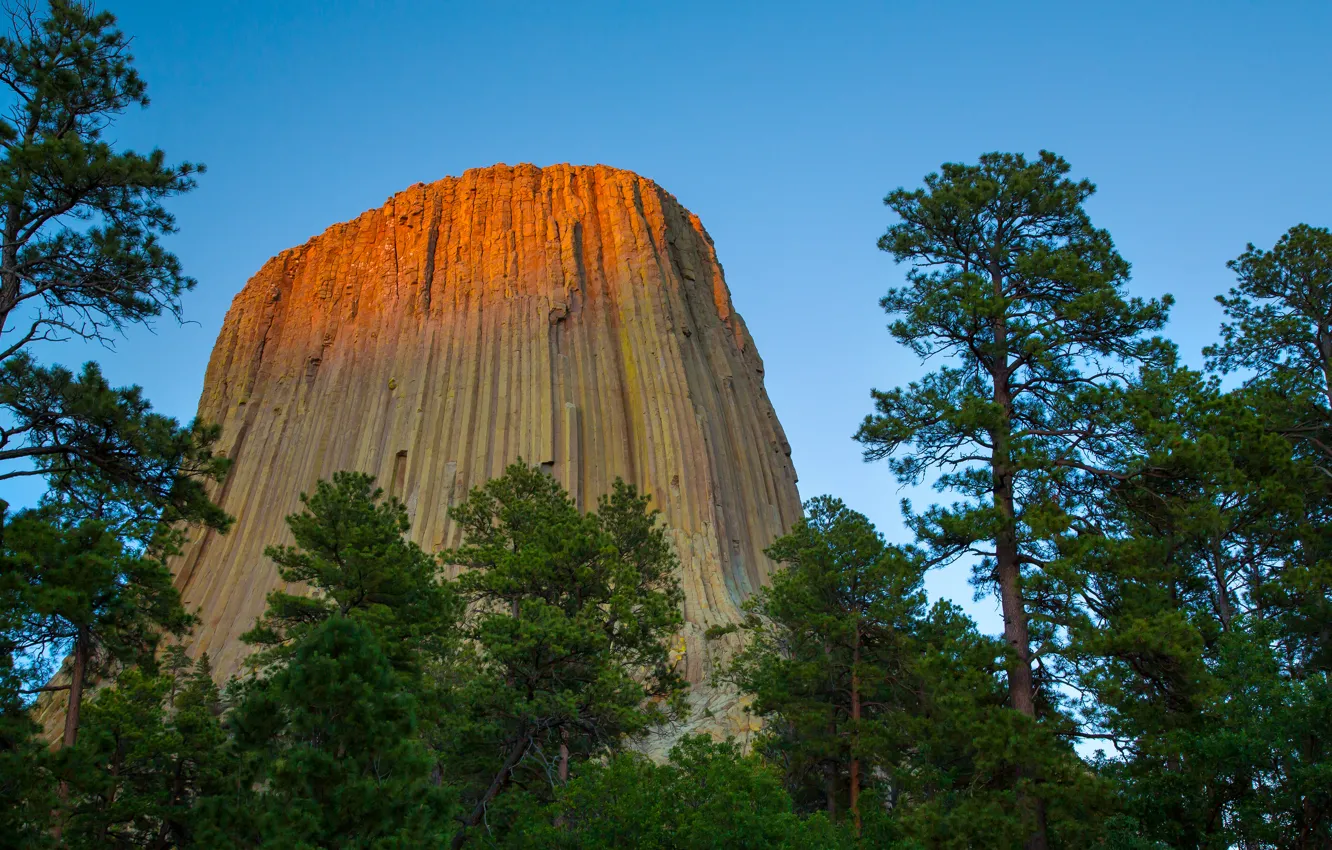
<point>575,317</point>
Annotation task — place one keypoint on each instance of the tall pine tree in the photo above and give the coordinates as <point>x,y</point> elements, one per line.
<point>1280,337</point>
<point>1024,298</point>
<point>80,223</point>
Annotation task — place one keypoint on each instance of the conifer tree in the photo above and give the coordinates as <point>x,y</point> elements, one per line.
<point>831,636</point>
<point>1280,327</point>
<point>328,730</point>
<point>82,587</point>
<point>1203,575</point>
<point>570,618</point>
<point>332,753</point>
<point>153,746</point>
<point>948,778</point>
<point>707,796</point>
<point>106,455</point>
<point>1024,297</point>
<point>1280,336</point>
<point>70,74</point>
<point>352,551</point>
<point>860,687</point>
<point>1184,666</point>
<point>82,258</point>
<point>26,784</point>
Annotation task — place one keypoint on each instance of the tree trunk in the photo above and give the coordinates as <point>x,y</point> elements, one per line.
<point>1225,609</point>
<point>1021,691</point>
<point>1008,563</point>
<point>496,785</point>
<point>81,653</point>
<point>855,729</point>
<point>9,278</point>
<point>562,772</point>
<point>830,789</point>
<point>564,756</point>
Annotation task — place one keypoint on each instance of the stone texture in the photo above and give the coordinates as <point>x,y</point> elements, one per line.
<point>572,316</point>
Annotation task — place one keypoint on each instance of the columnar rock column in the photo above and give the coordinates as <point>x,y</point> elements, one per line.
<point>575,317</point>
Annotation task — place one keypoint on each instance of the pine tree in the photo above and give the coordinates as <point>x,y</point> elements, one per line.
<point>828,641</point>
<point>707,796</point>
<point>1203,575</point>
<point>106,455</point>
<point>1179,658</point>
<point>860,687</point>
<point>352,551</point>
<point>332,753</point>
<point>948,780</point>
<point>1280,334</point>
<point>153,745</point>
<point>70,74</point>
<point>26,784</point>
<point>328,729</point>
<point>1014,285</point>
<point>82,258</point>
<point>81,587</point>
<point>570,618</point>
<point>1280,328</point>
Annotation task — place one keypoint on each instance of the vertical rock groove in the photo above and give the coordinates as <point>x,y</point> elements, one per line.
<point>576,317</point>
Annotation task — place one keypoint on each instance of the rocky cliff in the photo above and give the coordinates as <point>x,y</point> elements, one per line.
<point>572,316</point>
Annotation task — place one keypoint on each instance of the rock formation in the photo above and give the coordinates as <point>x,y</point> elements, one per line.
<point>572,316</point>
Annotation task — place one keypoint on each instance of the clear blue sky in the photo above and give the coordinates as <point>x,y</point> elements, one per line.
<point>1206,125</point>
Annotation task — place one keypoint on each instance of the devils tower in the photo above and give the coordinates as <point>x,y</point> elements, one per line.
<point>575,317</point>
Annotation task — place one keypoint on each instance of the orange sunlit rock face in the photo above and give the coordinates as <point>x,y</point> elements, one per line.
<point>572,316</point>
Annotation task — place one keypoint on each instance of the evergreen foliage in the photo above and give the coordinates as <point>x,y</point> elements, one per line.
<point>708,796</point>
<point>865,691</point>
<point>82,225</point>
<point>81,258</point>
<point>1025,298</point>
<point>1201,577</point>
<point>105,454</point>
<point>331,753</point>
<point>152,748</point>
<point>328,740</point>
<point>829,651</point>
<point>351,551</point>
<point>1281,337</point>
<point>80,586</point>
<point>569,626</point>
<point>1219,736</point>
<point>27,787</point>
<point>1281,318</point>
